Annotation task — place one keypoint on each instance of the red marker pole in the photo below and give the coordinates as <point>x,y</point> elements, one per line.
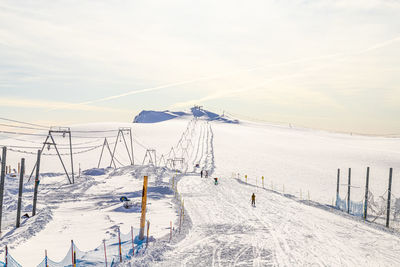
<point>119,242</point>
<point>105,253</point>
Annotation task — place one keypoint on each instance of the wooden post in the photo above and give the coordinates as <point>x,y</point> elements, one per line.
<point>143,216</point>
<point>348,192</point>
<point>262,178</point>
<point>366,195</point>
<point>148,228</point>
<point>6,256</point>
<point>36,184</point>
<point>389,196</point>
<point>337,186</point>
<point>3,175</point>
<point>21,184</point>
<point>105,252</point>
<point>19,167</point>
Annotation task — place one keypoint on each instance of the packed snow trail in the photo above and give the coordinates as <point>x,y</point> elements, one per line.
<point>279,231</point>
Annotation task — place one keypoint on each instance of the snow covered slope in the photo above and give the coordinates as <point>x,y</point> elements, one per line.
<point>292,224</point>
<point>149,116</point>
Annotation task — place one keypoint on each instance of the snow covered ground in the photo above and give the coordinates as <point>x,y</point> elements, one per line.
<point>220,228</point>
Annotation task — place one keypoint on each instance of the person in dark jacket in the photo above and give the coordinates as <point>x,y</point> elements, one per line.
<point>253,200</point>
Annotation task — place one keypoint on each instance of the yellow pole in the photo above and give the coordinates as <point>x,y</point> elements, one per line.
<point>144,201</point>
<point>246,178</point>
<point>262,178</point>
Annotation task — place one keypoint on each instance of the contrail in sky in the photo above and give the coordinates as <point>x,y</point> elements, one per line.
<point>174,84</point>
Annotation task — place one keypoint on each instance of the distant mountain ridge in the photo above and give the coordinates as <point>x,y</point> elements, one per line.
<point>151,116</point>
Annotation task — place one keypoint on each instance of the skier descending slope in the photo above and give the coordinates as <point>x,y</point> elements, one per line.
<point>253,200</point>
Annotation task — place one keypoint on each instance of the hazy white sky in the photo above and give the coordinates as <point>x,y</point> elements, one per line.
<point>331,64</point>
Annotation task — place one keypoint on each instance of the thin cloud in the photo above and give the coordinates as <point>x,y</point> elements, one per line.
<point>175,84</point>
<point>43,104</point>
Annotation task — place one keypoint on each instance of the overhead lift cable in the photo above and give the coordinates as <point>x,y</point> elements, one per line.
<point>27,123</point>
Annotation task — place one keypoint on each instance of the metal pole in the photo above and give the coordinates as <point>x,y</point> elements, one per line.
<point>41,150</point>
<point>389,195</point>
<point>115,147</point>
<point>337,186</point>
<point>126,146</point>
<point>366,195</point>
<point>21,183</point>
<point>72,160</point>
<point>36,184</point>
<point>3,175</point>
<point>348,192</point>
<point>144,201</point>
<point>59,156</point>
<point>130,134</point>
<point>109,150</point>
<point>101,154</point>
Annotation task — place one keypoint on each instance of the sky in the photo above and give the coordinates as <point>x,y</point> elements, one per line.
<point>328,64</point>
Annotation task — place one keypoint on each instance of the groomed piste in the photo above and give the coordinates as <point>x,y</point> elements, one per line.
<point>298,220</point>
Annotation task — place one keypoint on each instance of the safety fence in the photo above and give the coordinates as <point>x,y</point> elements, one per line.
<point>358,199</point>
<point>116,249</point>
<point>381,208</point>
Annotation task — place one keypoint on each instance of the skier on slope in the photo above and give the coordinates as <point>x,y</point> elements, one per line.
<point>253,200</point>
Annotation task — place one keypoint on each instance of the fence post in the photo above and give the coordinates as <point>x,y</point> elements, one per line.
<point>389,195</point>
<point>366,196</point>
<point>105,252</point>
<point>6,256</point>
<point>348,192</point>
<point>143,216</point>
<point>21,184</point>
<point>36,184</point>
<point>337,186</point>
<point>3,175</point>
